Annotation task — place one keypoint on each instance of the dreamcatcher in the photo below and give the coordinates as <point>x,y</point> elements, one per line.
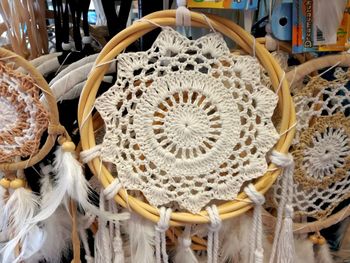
<point>320,149</point>
<point>26,220</point>
<point>186,126</point>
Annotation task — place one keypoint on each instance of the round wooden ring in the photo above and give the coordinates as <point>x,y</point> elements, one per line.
<point>125,38</point>
<point>54,127</point>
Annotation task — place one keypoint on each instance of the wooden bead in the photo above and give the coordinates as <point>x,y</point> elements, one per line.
<point>313,239</point>
<point>17,183</point>
<point>4,182</point>
<point>68,147</point>
<point>321,240</point>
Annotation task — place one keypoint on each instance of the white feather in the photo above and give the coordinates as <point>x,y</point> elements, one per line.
<point>19,209</point>
<point>323,254</point>
<point>70,182</point>
<point>304,251</point>
<point>184,253</point>
<point>58,237</point>
<point>141,238</point>
<point>3,232</point>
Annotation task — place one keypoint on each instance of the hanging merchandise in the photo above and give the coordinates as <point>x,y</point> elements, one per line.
<point>26,221</point>
<point>320,151</point>
<point>170,133</point>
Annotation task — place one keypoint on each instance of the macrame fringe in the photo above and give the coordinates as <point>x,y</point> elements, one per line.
<point>304,251</point>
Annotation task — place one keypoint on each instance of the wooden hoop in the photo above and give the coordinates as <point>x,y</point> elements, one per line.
<point>54,128</point>
<point>128,36</point>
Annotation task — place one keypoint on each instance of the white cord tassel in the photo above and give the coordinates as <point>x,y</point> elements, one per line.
<point>160,238</point>
<point>184,253</point>
<point>103,248</point>
<point>256,254</point>
<point>213,234</point>
<point>283,245</point>
<point>183,15</point>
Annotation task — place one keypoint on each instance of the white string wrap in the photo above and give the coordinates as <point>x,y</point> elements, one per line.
<point>183,15</point>
<point>160,237</point>
<point>213,234</point>
<point>112,190</point>
<point>283,246</point>
<point>90,154</point>
<point>256,254</point>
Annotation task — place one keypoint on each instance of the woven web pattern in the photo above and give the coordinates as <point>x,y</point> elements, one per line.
<point>22,117</point>
<point>186,122</point>
<point>321,148</point>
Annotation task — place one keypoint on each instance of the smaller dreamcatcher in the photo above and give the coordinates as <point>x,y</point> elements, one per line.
<point>321,148</point>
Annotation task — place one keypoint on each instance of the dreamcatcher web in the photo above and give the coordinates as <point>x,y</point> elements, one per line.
<point>22,117</point>
<point>321,149</point>
<point>187,122</point>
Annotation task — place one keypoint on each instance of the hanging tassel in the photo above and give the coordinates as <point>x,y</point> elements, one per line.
<point>213,234</point>
<point>256,254</point>
<point>184,253</point>
<point>103,248</point>
<point>283,246</point>
<point>117,243</point>
<point>141,238</point>
<point>160,237</point>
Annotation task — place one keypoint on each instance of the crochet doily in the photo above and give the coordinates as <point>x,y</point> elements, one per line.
<point>321,149</point>
<point>186,122</point>
<point>22,117</point>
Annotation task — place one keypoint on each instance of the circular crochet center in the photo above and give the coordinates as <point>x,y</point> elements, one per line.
<point>22,117</point>
<point>321,148</point>
<point>186,122</point>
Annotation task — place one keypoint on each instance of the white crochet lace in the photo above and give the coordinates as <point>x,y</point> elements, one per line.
<point>321,148</point>
<point>186,122</point>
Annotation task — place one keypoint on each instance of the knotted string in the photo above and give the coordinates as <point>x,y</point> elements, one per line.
<point>213,234</point>
<point>256,254</point>
<point>283,245</point>
<point>160,238</point>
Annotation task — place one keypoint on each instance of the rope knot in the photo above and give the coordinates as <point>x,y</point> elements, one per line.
<point>281,159</point>
<point>254,195</point>
<point>289,211</point>
<point>215,220</point>
<point>185,242</point>
<point>164,219</point>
